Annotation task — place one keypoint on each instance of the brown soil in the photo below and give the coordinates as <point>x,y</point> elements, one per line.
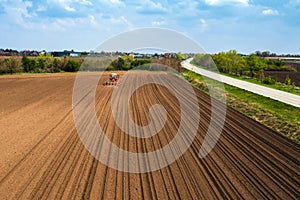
<point>42,157</point>
<point>281,75</point>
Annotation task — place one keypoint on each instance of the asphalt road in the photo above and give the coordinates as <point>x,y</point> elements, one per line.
<point>278,95</point>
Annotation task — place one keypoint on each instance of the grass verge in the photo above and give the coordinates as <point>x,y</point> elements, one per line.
<point>282,118</point>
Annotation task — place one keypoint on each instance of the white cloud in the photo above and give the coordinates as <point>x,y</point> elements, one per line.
<point>70,9</point>
<point>62,24</point>
<point>270,12</point>
<point>70,5</point>
<point>120,20</point>
<point>158,23</point>
<point>203,25</point>
<point>41,8</point>
<point>117,2</point>
<point>28,3</point>
<point>226,2</point>
<point>57,25</point>
<point>85,2</point>
<point>111,3</point>
<point>148,6</point>
<point>187,8</point>
<point>92,20</point>
<point>19,12</point>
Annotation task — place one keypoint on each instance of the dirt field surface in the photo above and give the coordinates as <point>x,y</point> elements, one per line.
<point>42,156</point>
<point>280,76</point>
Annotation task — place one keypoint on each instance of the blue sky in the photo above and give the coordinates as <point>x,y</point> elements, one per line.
<point>217,25</point>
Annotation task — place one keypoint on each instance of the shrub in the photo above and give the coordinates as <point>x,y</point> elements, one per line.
<point>110,68</point>
<point>287,80</point>
<point>125,67</point>
<point>72,66</point>
<point>4,66</point>
<point>269,80</point>
<point>28,64</point>
<point>56,65</point>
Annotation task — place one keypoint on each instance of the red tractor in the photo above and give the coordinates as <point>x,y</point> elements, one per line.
<point>113,79</point>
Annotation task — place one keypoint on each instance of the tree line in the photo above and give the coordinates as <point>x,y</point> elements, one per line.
<point>48,64</point>
<point>39,64</point>
<point>235,64</point>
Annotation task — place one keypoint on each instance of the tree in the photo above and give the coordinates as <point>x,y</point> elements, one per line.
<point>205,60</point>
<point>63,62</point>
<point>72,66</point>
<point>13,65</point>
<point>265,53</point>
<point>49,62</point>
<point>258,53</point>
<point>118,63</point>
<point>235,58</point>
<point>28,64</point>
<point>125,67</point>
<point>4,65</point>
<point>56,65</point>
<point>84,53</point>
<point>253,64</point>
<point>181,56</point>
<point>41,63</point>
<point>241,67</point>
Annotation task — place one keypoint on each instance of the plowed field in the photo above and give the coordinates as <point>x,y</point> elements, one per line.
<point>42,156</point>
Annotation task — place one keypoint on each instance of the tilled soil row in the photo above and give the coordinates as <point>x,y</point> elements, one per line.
<point>42,156</point>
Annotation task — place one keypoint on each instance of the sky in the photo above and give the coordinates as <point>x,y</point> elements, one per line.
<point>217,25</point>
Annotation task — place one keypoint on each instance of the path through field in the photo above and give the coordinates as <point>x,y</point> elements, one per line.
<point>42,156</point>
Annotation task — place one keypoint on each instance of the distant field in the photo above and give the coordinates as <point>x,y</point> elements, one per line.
<point>280,76</point>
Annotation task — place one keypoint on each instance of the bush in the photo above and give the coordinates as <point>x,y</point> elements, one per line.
<point>41,63</point>
<point>125,67</point>
<point>28,64</point>
<point>287,80</point>
<point>269,80</point>
<point>38,70</point>
<point>72,66</point>
<point>56,65</point>
<point>110,68</point>
<point>204,60</point>
<point>4,66</point>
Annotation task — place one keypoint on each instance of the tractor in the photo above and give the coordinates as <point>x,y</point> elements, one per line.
<point>113,79</point>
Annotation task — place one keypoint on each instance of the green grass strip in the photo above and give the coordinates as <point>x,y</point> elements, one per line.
<point>283,118</point>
